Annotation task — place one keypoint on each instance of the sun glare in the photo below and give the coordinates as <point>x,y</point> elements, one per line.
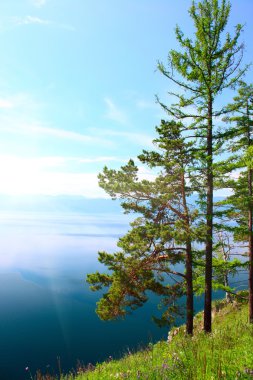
<point>44,176</point>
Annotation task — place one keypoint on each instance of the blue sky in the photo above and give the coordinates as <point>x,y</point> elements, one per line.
<point>77,86</point>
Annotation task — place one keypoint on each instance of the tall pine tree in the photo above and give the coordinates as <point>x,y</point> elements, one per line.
<point>202,68</point>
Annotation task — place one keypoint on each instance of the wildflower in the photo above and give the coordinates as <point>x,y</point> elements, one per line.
<point>175,357</point>
<point>249,371</point>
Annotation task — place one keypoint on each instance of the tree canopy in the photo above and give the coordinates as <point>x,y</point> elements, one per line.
<point>174,238</point>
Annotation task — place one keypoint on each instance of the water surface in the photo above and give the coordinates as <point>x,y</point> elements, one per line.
<point>47,318</point>
<point>47,311</point>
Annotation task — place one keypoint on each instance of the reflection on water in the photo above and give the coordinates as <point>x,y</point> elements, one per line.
<point>47,310</point>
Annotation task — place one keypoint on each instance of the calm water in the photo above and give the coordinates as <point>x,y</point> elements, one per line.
<point>47,310</point>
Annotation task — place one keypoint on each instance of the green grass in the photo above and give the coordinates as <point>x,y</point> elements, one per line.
<point>227,353</point>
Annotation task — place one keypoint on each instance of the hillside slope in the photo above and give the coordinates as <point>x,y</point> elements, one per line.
<point>224,354</point>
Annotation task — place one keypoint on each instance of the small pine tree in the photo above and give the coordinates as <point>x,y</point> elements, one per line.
<point>160,237</point>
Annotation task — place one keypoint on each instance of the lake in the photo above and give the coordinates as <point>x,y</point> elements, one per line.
<point>48,318</point>
<point>47,310</point>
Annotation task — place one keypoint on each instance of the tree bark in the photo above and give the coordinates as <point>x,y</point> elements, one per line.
<point>250,225</point>
<point>188,266</point>
<point>209,224</point>
<point>189,290</point>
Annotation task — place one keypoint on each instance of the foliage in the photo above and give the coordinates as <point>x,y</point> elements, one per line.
<point>202,69</point>
<point>240,144</point>
<point>160,237</point>
<point>163,234</point>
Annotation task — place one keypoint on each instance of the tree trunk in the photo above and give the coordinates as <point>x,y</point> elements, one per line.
<point>209,225</point>
<point>188,264</point>
<point>250,249</point>
<point>189,290</point>
<point>250,224</point>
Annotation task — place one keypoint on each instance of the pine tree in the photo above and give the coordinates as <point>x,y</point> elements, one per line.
<point>202,69</point>
<point>160,237</point>
<point>241,145</point>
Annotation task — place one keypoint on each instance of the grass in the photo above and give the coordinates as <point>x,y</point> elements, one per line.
<point>226,353</point>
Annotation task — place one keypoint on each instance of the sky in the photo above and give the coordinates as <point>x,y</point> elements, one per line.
<point>78,81</point>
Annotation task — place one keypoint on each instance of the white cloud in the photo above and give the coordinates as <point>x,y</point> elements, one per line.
<point>42,163</point>
<point>22,116</point>
<point>23,176</point>
<point>114,113</point>
<point>48,183</point>
<point>5,103</point>
<point>34,20</point>
<point>51,175</point>
<point>22,101</point>
<point>38,3</point>
<point>27,20</point>
<point>18,125</point>
<point>141,139</point>
<point>55,132</point>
